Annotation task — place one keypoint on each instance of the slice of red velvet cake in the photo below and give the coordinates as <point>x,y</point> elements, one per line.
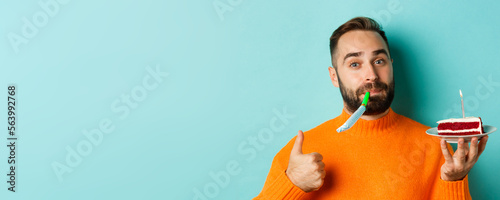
<point>460,126</point>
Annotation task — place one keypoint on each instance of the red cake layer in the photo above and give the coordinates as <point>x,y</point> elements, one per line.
<point>458,125</point>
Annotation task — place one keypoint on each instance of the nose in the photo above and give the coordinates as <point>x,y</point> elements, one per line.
<point>371,74</point>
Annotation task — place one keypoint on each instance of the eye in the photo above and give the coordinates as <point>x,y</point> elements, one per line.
<point>354,64</point>
<point>378,62</point>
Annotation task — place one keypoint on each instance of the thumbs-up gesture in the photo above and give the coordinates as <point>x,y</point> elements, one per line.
<point>306,171</point>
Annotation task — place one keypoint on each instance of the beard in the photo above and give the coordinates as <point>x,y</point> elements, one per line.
<point>376,104</point>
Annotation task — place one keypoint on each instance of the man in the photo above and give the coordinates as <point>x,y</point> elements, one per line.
<point>384,155</point>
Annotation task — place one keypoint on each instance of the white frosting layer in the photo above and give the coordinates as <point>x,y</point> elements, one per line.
<point>467,119</point>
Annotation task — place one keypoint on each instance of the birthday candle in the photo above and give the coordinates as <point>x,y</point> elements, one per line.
<point>462,98</point>
<point>355,116</point>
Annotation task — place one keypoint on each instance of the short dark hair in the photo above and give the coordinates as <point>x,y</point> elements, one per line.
<point>357,23</point>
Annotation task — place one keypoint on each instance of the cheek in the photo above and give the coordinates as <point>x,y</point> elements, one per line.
<point>351,81</point>
<point>386,74</point>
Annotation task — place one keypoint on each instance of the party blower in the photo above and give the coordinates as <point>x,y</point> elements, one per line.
<point>356,115</point>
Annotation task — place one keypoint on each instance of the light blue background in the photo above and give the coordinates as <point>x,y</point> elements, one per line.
<point>227,77</point>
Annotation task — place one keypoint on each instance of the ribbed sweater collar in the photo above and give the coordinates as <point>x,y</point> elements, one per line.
<point>371,127</point>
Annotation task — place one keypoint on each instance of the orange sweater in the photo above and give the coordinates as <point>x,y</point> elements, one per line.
<point>388,158</point>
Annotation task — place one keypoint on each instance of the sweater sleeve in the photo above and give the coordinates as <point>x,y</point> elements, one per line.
<point>450,190</point>
<point>277,185</point>
<point>454,189</point>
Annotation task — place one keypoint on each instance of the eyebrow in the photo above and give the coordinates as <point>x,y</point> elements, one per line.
<point>376,52</point>
<point>353,54</point>
<point>357,54</point>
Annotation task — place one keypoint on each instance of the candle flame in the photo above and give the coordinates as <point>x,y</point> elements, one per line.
<point>460,93</point>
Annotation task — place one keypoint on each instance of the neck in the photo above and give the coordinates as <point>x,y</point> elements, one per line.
<point>368,117</point>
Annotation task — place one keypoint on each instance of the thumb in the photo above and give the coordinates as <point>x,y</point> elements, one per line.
<point>297,147</point>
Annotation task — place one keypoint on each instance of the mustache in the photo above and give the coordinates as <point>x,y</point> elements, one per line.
<point>375,85</point>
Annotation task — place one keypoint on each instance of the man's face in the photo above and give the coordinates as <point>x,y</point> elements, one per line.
<point>363,65</point>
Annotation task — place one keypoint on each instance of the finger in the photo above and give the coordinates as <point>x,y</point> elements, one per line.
<point>473,149</point>
<point>321,165</point>
<point>482,145</point>
<point>446,152</point>
<point>322,173</point>
<point>466,148</point>
<point>460,153</point>
<point>297,147</point>
<point>317,157</point>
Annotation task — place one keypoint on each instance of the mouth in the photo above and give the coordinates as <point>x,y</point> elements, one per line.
<point>375,91</point>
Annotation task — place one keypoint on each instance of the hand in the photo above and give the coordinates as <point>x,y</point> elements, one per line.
<point>306,171</point>
<point>456,167</point>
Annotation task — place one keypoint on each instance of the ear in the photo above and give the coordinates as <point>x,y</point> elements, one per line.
<point>333,76</point>
<point>392,61</point>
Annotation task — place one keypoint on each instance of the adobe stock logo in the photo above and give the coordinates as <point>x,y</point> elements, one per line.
<point>221,7</point>
<point>94,137</point>
<point>482,92</point>
<point>31,26</point>
<point>384,16</point>
<point>247,149</point>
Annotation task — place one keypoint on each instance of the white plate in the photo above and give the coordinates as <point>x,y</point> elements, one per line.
<point>454,138</point>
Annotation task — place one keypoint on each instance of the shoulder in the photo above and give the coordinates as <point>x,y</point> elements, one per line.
<point>419,131</point>
<point>313,139</point>
<point>411,123</point>
<point>326,127</point>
